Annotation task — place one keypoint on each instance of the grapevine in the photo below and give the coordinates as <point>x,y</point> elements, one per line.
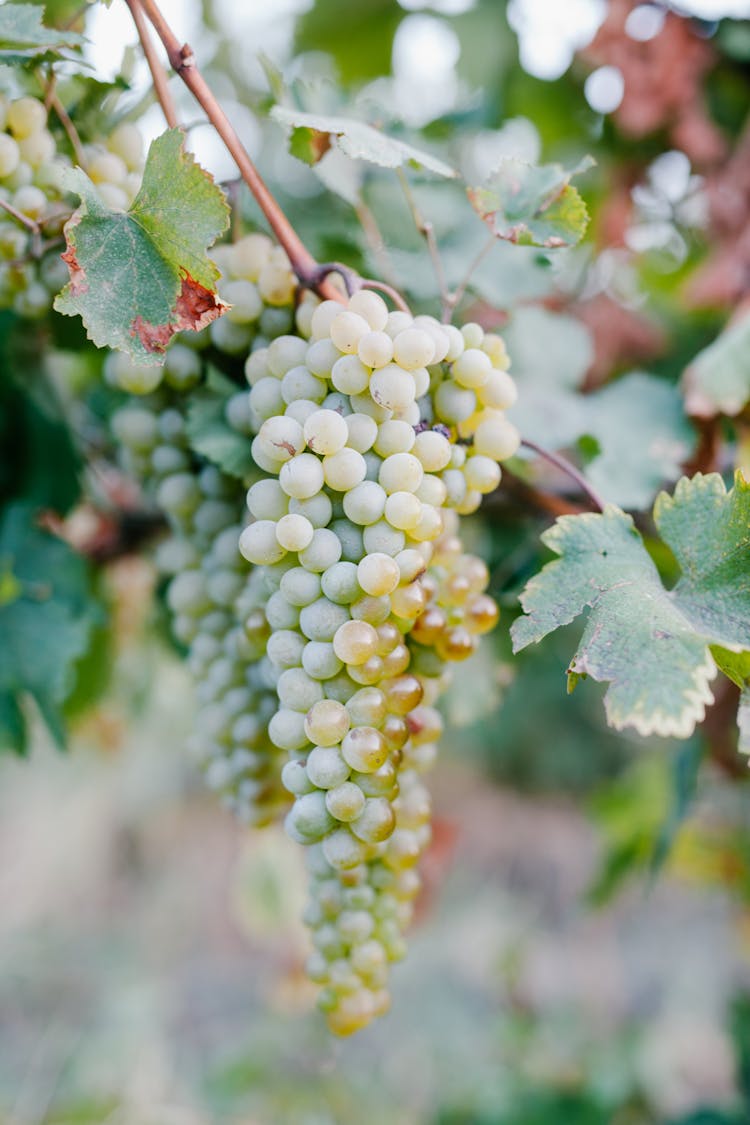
<point>312,444</point>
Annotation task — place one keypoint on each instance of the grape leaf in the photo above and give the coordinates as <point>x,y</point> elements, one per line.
<point>643,436</point>
<point>532,205</point>
<point>25,39</point>
<point>139,276</point>
<point>361,43</point>
<point>637,428</point>
<point>46,618</point>
<point>534,333</point>
<point>210,434</point>
<point>718,379</point>
<point>652,645</point>
<point>312,134</point>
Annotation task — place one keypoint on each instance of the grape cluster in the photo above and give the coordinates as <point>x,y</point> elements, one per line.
<point>210,599</point>
<point>324,641</point>
<point>216,602</point>
<point>31,270</point>
<point>374,435</point>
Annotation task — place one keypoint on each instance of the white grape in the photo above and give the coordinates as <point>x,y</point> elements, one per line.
<point>394,437</point>
<point>344,470</point>
<point>403,510</point>
<point>349,375</point>
<point>346,330</point>
<point>375,349</point>
<point>401,472</point>
<point>392,388</point>
<point>326,432</point>
<point>294,532</point>
<point>258,543</point>
<point>497,438</point>
<point>365,503</point>
<point>362,432</point>
<point>370,306</point>
<point>302,476</point>
<point>378,574</point>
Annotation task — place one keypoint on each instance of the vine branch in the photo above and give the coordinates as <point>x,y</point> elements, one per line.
<point>182,60</point>
<point>158,74</point>
<point>565,466</point>
<point>52,101</point>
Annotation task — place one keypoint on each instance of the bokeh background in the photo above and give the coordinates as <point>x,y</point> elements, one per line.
<point>581,954</point>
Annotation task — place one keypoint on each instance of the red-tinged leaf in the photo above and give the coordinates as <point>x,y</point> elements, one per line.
<point>139,276</point>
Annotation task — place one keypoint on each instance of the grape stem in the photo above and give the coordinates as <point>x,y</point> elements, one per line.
<point>158,74</point>
<point>381,287</point>
<point>427,230</point>
<point>570,470</point>
<point>353,282</point>
<point>375,240</point>
<point>456,296</point>
<point>182,59</point>
<point>19,216</point>
<point>52,101</point>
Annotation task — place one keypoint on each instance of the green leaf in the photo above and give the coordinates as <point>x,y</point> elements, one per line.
<point>643,436</point>
<point>312,134</point>
<point>533,205</point>
<point>547,349</point>
<point>137,277</point>
<point>24,39</point>
<point>633,432</point>
<point>651,645</point>
<point>360,39</point>
<point>46,617</point>
<point>718,379</point>
<point>209,433</point>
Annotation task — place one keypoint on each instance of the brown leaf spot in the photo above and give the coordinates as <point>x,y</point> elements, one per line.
<point>196,305</point>
<point>154,337</point>
<point>78,282</point>
<point>319,144</point>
